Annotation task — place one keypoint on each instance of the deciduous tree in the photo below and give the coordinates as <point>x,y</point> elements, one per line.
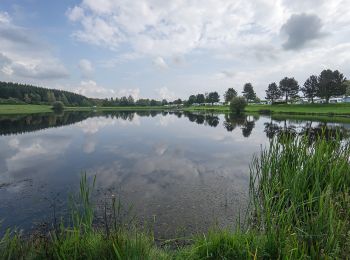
<point>230,94</point>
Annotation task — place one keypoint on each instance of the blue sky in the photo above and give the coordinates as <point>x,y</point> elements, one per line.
<point>168,49</point>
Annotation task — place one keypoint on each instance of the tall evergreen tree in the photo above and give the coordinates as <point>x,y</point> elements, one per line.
<point>273,93</point>
<point>331,83</point>
<point>248,92</point>
<point>310,88</point>
<point>289,88</point>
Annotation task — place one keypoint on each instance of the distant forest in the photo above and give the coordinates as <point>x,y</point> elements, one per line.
<point>14,93</point>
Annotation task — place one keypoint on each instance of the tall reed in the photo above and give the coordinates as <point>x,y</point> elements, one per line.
<point>300,193</point>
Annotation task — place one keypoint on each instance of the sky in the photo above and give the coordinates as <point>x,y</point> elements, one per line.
<point>170,49</point>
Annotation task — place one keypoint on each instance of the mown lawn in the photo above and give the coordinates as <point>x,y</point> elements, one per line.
<point>337,109</point>
<point>24,109</point>
<point>305,109</point>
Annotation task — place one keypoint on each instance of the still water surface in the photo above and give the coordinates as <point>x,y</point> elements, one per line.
<point>181,172</point>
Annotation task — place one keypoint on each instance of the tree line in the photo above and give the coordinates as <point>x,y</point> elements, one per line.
<point>15,93</point>
<point>211,97</point>
<point>326,85</point>
<point>129,101</point>
<point>22,93</point>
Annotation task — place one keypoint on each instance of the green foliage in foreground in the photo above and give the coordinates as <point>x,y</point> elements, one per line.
<point>300,208</point>
<point>301,195</point>
<point>237,105</point>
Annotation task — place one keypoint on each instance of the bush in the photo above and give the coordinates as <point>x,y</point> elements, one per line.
<point>57,106</point>
<point>237,105</point>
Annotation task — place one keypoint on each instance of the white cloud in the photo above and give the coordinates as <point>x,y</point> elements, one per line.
<point>24,55</point>
<point>245,35</point>
<point>134,92</point>
<point>165,29</point>
<point>91,89</point>
<point>86,68</point>
<point>165,93</point>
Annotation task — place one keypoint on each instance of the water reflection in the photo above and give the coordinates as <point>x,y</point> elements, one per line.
<point>274,127</point>
<point>20,124</point>
<point>187,169</point>
<point>313,130</point>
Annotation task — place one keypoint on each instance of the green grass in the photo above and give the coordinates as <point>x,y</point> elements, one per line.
<point>297,109</point>
<point>223,109</point>
<point>314,118</point>
<point>300,209</point>
<point>302,109</point>
<point>317,109</point>
<point>24,109</point>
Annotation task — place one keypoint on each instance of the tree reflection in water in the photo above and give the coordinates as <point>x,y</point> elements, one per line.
<point>274,127</point>
<point>313,130</point>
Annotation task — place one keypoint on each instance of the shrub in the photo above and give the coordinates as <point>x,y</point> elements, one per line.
<point>57,106</point>
<point>237,105</point>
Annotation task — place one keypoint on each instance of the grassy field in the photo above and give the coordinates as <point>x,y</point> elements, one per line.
<point>297,109</point>
<point>320,109</point>
<point>24,109</point>
<point>222,109</point>
<point>300,209</point>
<point>305,109</point>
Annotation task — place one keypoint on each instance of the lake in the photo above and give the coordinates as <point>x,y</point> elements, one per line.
<point>179,172</point>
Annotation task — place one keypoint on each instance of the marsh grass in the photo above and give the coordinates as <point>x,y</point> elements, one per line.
<point>300,208</point>
<point>300,193</point>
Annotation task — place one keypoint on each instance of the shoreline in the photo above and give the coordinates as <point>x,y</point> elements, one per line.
<point>325,110</point>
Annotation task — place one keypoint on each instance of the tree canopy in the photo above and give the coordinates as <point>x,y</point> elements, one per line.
<point>289,88</point>
<point>230,94</point>
<point>331,83</point>
<point>273,92</point>
<point>213,97</point>
<point>238,104</point>
<point>39,95</point>
<point>310,88</point>
<point>248,92</point>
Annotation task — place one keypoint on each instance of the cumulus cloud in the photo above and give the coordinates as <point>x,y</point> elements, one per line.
<point>25,55</point>
<point>90,88</point>
<point>86,68</point>
<point>300,29</point>
<point>165,93</point>
<point>168,29</point>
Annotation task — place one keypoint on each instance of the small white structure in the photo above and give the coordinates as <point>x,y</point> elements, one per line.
<point>334,100</point>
